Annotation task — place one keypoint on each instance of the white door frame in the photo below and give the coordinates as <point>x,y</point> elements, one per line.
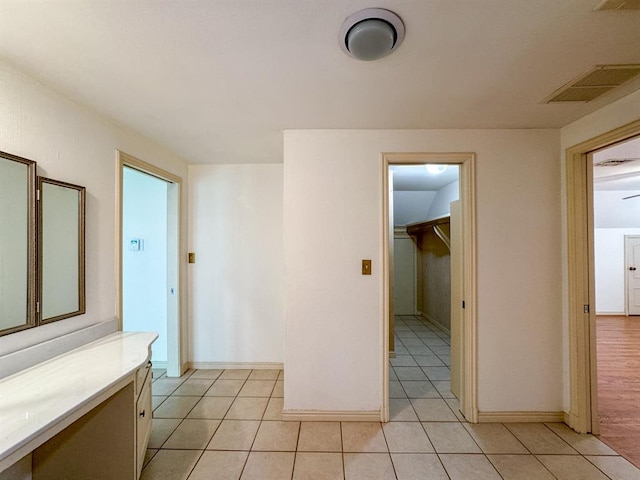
<point>466,162</point>
<point>583,384</point>
<point>175,357</point>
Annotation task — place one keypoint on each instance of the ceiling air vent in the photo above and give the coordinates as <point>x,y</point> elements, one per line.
<point>618,5</point>
<point>614,162</point>
<point>598,81</point>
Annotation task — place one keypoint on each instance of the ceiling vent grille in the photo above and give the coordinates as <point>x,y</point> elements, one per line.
<point>619,5</point>
<point>614,162</point>
<point>596,82</point>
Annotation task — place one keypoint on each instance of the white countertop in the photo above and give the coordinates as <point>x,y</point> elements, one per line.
<point>38,402</point>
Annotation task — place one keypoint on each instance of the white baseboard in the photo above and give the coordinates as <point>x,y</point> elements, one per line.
<point>517,417</point>
<point>434,323</point>
<point>330,416</point>
<point>613,314</point>
<point>236,365</point>
<point>159,365</point>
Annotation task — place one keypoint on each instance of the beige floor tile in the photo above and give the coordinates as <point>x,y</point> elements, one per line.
<point>192,435</point>
<point>234,435</point>
<point>149,454</point>
<point>161,429</point>
<point>441,350</point>
<point>318,466</point>
<point>469,467</point>
<point>428,361</point>
<point>419,350</point>
<point>401,410</point>
<point>433,410</point>
<point>369,466</point>
<point>420,389</point>
<point>584,443</point>
<point>363,437</point>
<point>320,437</point>
<point>520,467</point>
<point>406,437</point>
<point>219,466</point>
<point>166,386</point>
<point>175,407</point>
<point>257,388</point>
<point>403,361</point>
<point>156,400</point>
<point>418,466</point>
<point>158,373</point>
<point>444,388</point>
<point>396,390</point>
<point>171,465</point>
<point>277,437</point>
<point>454,405</point>
<point>495,438</point>
<point>267,374</point>
<point>392,374</point>
<point>194,387</point>
<point>571,467</point>
<point>412,342</point>
<point>269,466</point>
<point>410,373</point>
<point>247,408</point>
<point>225,388</point>
<point>212,373</point>
<point>437,373</point>
<point>617,468</point>
<point>450,437</point>
<point>235,374</point>
<point>539,439</point>
<point>278,390</point>
<point>274,409</point>
<point>211,407</point>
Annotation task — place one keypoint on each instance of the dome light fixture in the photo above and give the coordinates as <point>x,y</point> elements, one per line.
<point>436,169</point>
<point>371,33</point>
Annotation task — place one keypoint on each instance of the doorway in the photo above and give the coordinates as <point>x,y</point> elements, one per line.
<point>148,290</point>
<point>462,312</point>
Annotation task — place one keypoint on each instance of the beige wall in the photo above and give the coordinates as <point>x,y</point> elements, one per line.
<point>435,281</point>
<point>333,219</point>
<point>74,144</point>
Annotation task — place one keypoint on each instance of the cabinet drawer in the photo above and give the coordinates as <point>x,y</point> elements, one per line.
<point>143,424</point>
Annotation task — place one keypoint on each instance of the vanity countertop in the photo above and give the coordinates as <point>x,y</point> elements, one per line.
<point>40,401</point>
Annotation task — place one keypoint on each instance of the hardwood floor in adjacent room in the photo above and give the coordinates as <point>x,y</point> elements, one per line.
<point>618,344</point>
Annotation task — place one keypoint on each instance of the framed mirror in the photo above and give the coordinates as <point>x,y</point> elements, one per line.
<point>17,243</point>
<point>61,250</point>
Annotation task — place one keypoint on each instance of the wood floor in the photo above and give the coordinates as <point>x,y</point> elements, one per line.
<point>618,347</point>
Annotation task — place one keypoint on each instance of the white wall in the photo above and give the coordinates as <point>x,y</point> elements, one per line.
<point>611,211</point>
<point>74,144</point>
<point>333,219</point>
<point>411,206</point>
<point>617,114</point>
<point>441,206</point>
<point>235,230</point>
<point>144,271</point>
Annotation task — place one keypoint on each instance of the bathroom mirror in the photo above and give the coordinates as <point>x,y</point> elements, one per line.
<point>17,243</point>
<point>61,219</point>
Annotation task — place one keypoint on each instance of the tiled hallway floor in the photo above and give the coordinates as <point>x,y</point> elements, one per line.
<point>227,425</point>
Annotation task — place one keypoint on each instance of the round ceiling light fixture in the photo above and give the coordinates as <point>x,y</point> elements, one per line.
<point>371,33</point>
<point>436,169</point>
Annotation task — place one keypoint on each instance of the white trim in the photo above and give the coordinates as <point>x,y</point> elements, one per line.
<point>159,365</point>
<point>330,416</point>
<point>521,417</point>
<point>427,318</point>
<point>236,365</point>
<point>466,161</point>
<point>176,361</point>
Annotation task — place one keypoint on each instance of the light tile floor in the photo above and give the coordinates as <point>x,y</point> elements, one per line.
<point>227,425</point>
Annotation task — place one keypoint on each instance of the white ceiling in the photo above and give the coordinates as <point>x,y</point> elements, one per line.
<point>417,178</point>
<point>620,177</point>
<point>217,81</point>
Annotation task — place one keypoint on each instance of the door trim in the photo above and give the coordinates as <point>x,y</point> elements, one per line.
<point>466,162</point>
<point>626,272</point>
<point>175,327</point>
<point>583,383</point>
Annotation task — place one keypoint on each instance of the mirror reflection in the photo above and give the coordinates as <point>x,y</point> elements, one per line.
<point>61,244</point>
<point>17,243</point>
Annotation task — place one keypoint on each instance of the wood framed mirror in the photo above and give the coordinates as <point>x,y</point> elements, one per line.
<point>17,243</point>
<point>61,250</point>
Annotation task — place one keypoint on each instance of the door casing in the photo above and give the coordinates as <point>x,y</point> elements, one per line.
<point>466,163</point>
<point>628,256</point>
<point>176,364</point>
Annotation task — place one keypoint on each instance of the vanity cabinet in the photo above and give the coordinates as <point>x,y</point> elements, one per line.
<point>82,415</point>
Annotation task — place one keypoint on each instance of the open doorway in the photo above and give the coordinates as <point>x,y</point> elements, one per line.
<point>148,296</point>
<point>429,274</point>
<point>616,225</point>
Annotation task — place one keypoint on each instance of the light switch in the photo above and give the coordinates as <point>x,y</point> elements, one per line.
<point>366,267</point>
<point>192,257</point>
